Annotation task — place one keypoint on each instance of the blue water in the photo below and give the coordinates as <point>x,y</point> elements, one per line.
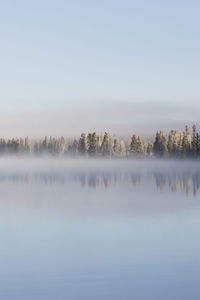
<point>104,231</point>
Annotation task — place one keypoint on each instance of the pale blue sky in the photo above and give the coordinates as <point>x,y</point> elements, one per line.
<point>70,54</point>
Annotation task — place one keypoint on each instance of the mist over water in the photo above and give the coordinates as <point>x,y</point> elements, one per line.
<point>99,229</point>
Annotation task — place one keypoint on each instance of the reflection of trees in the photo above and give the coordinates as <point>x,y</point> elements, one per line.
<point>135,179</point>
<point>175,181</point>
<point>86,179</point>
<point>160,180</point>
<point>187,181</point>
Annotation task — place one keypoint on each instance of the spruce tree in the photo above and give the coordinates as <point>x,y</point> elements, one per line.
<point>136,148</point>
<point>194,141</point>
<point>106,146</point>
<point>82,144</point>
<point>186,142</point>
<point>149,149</point>
<point>116,147</point>
<point>160,145</point>
<point>92,144</point>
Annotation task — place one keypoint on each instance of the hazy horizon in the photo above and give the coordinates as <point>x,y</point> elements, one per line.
<point>123,119</point>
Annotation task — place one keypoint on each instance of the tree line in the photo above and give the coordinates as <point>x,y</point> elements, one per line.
<point>176,144</point>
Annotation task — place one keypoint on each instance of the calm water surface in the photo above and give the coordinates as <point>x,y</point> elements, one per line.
<point>85,230</point>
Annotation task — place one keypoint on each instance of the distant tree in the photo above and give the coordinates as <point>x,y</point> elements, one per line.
<point>13,146</point>
<point>140,147</point>
<point>27,146</point>
<point>149,149</point>
<point>21,145</point>
<point>75,147</point>
<point>44,145</point>
<point>62,145</point>
<point>49,145</point>
<point>92,144</point>
<point>36,147</point>
<point>99,142</point>
<point>197,144</point>
<point>122,148</point>
<point>186,142</point>
<point>174,143</point>
<point>160,145</point>
<point>116,147</point>
<point>194,141</point>
<point>106,146</point>
<point>133,145</point>
<point>136,147</point>
<point>82,144</point>
<point>3,146</point>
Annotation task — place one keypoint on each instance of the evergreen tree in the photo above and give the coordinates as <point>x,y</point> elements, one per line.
<point>197,144</point>
<point>27,147</point>
<point>149,149</point>
<point>140,148</point>
<point>122,148</point>
<point>160,145</point>
<point>74,147</point>
<point>174,143</point>
<point>62,145</point>
<point>116,147</point>
<point>50,146</point>
<point>136,148</point>
<point>3,146</point>
<point>36,148</point>
<point>92,144</point>
<point>194,141</point>
<point>186,142</point>
<point>106,146</point>
<point>44,145</point>
<point>82,144</point>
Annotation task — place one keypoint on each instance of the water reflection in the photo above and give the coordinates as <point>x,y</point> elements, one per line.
<point>187,181</point>
<point>99,230</point>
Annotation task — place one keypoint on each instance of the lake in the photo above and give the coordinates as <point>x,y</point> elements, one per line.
<point>99,229</point>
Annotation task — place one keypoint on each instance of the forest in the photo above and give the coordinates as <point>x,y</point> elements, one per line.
<point>175,144</point>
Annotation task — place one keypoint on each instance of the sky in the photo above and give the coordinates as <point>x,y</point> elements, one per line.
<point>122,66</point>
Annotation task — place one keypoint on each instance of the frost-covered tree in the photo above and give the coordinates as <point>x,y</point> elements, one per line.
<point>116,147</point>
<point>136,147</point>
<point>36,147</point>
<point>194,140</point>
<point>82,144</point>
<point>122,148</point>
<point>75,147</point>
<point>106,146</point>
<point>92,144</point>
<point>149,149</point>
<point>174,143</point>
<point>186,142</point>
<point>198,144</point>
<point>3,146</point>
<point>160,145</point>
